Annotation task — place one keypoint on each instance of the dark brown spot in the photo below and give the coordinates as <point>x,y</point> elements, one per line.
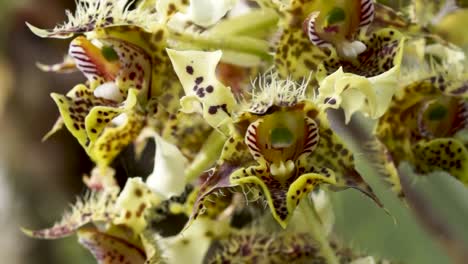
<point>189,70</point>
<point>212,110</point>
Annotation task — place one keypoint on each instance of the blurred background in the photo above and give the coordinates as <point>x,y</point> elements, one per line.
<point>39,180</point>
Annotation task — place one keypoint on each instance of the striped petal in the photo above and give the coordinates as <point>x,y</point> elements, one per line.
<point>367,12</point>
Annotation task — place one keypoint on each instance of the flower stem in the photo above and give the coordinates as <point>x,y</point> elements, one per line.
<point>318,230</point>
<point>241,44</point>
<point>208,155</point>
<point>254,23</point>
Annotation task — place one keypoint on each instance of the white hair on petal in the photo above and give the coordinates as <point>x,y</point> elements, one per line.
<point>92,14</point>
<point>269,90</point>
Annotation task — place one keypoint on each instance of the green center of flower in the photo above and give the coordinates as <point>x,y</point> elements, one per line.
<point>281,137</point>
<point>109,53</point>
<point>436,112</point>
<point>336,15</point>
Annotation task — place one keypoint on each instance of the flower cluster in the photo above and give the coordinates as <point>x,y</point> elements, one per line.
<point>235,95</point>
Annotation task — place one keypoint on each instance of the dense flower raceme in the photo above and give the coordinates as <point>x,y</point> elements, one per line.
<point>226,145</point>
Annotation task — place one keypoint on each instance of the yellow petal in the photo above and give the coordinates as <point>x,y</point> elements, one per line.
<point>196,72</point>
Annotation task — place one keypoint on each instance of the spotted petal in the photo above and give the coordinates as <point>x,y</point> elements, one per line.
<point>371,96</point>
<point>294,51</point>
<point>185,130</point>
<point>132,202</point>
<point>76,106</point>
<point>93,121</point>
<point>234,155</point>
<point>283,197</point>
<point>384,53</point>
<point>196,72</point>
<point>123,130</point>
<point>334,154</point>
<point>110,249</point>
<point>443,154</point>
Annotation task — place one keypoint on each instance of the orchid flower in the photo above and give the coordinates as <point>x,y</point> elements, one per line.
<point>329,38</point>
<point>279,144</point>
<point>128,84</point>
<point>431,112</point>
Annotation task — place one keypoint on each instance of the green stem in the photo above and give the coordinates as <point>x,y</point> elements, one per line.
<point>208,155</point>
<point>239,44</point>
<point>318,230</point>
<point>255,22</point>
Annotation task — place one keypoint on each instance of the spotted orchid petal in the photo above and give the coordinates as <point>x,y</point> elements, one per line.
<point>90,120</point>
<point>90,60</point>
<point>196,72</point>
<point>129,57</point>
<point>333,153</point>
<point>76,105</point>
<point>184,131</point>
<point>371,96</point>
<point>108,57</point>
<point>445,154</point>
<point>383,54</point>
<point>110,249</point>
<point>233,156</point>
<point>122,130</point>
<point>132,202</point>
<point>294,51</point>
<point>283,198</point>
